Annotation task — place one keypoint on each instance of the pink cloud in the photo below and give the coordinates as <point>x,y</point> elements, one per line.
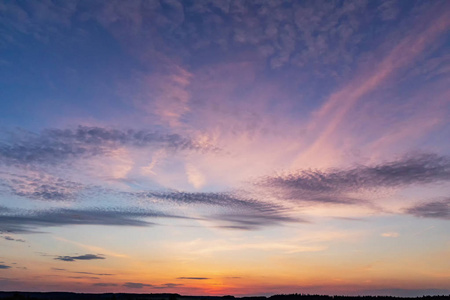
<point>167,95</point>
<point>329,118</point>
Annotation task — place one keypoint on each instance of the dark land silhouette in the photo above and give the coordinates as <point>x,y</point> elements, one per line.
<point>126,296</point>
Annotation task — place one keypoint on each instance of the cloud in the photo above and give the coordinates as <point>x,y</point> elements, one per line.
<point>225,199</point>
<point>238,213</point>
<point>168,286</point>
<point>80,257</point>
<point>323,38</point>
<point>41,186</point>
<point>8,238</point>
<point>91,247</point>
<point>104,284</point>
<point>390,234</point>
<point>330,186</point>
<point>253,221</point>
<point>327,123</point>
<point>193,278</point>
<point>55,145</point>
<point>4,267</point>
<point>435,209</point>
<point>30,221</point>
<point>169,94</point>
<point>136,285</point>
<point>243,212</point>
<point>40,22</point>
<point>81,272</point>
<point>389,10</point>
<point>195,177</point>
<point>98,274</point>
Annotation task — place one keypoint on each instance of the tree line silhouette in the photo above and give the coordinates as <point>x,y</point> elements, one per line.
<point>125,296</point>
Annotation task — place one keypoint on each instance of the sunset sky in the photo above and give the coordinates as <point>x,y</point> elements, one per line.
<point>225,147</point>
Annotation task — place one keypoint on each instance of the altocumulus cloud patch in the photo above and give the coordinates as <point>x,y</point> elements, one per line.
<point>433,209</point>
<point>41,186</point>
<point>330,186</point>
<point>54,145</point>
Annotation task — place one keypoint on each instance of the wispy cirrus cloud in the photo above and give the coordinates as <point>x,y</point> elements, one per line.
<point>168,96</point>
<point>328,121</point>
<point>80,257</point>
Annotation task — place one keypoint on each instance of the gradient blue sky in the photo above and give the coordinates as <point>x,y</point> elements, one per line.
<point>225,147</point>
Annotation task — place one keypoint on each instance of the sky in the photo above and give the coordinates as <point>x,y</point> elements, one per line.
<point>225,147</point>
